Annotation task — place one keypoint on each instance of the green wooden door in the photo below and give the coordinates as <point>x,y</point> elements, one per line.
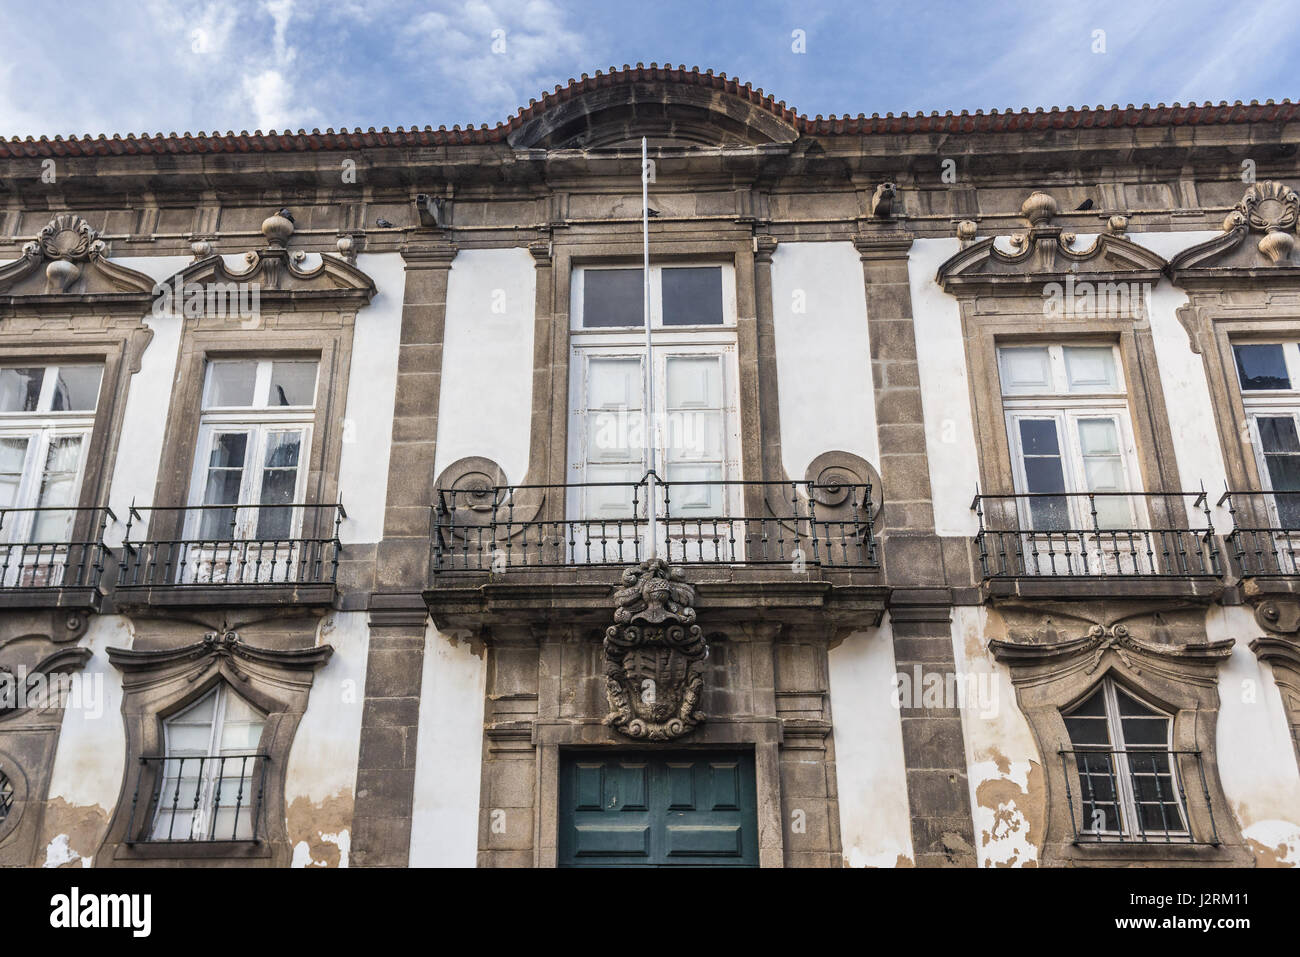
<point>658,809</point>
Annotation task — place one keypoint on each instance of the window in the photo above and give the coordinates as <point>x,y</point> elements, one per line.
<point>1069,431</point>
<point>253,444</point>
<point>210,781</point>
<point>695,295</point>
<point>1269,374</point>
<point>1128,776</point>
<point>695,392</point>
<point>46,417</point>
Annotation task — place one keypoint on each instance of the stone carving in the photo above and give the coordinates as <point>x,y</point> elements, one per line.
<point>75,261</point>
<point>1270,208</point>
<point>654,655</point>
<point>882,201</point>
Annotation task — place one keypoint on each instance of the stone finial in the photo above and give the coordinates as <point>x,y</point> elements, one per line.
<point>60,274</point>
<point>277,229</point>
<point>1038,208</point>
<point>966,230</point>
<point>1117,225</point>
<point>882,200</point>
<point>201,248</point>
<point>1273,209</point>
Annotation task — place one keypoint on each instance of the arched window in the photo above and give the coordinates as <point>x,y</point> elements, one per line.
<point>211,782</point>
<point>1128,773</point>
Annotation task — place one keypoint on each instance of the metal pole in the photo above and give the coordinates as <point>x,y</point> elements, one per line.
<point>649,419</point>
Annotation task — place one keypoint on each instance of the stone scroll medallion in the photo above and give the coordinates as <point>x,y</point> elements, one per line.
<point>654,655</point>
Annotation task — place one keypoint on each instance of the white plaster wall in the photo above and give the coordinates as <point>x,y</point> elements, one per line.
<point>875,820</point>
<point>823,358</point>
<point>372,392</point>
<point>487,360</point>
<point>449,753</point>
<point>322,767</point>
<point>945,390</point>
<point>148,397</point>
<point>1004,770</point>
<point>1257,760</point>
<point>89,762</point>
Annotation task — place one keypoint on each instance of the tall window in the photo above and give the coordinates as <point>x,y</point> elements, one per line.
<point>1269,374</point>
<point>693,322</point>
<point>1127,779</point>
<point>46,417</point>
<point>253,444</point>
<point>1068,425</point>
<point>211,776</point>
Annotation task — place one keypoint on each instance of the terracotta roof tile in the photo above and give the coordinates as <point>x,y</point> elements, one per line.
<point>994,121</point>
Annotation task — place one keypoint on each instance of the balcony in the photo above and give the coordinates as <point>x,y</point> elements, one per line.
<point>733,524</point>
<point>201,799</point>
<point>1062,544</point>
<point>1264,542</point>
<point>1134,796</point>
<point>223,554</point>
<point>52,557</point>
<point>756,551</point>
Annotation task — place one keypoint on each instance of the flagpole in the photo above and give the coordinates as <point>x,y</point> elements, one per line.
<point>648,414</point>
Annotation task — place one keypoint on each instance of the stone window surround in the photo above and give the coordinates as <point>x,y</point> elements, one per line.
<point>332,349</point>
<point>1148,416</point>
<point>1180,680</point>
<point>162,682</point>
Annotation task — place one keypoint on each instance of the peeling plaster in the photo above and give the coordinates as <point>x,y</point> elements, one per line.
<point>321,832</point>
<point>1274,843</point>
<point>72,833</point>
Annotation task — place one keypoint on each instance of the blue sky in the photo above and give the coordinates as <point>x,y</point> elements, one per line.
<point>119,66</point>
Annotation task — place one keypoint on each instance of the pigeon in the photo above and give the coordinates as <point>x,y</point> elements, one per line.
<point>286,214</point>
<point>383,224</point>
<point>1086,204</point>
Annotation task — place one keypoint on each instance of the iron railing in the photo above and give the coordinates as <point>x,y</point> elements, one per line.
<point>201,798</point>
<point>205,545</point>
<point>700,523</point>
<point>53,547</point>
<point>1133,796</point>
<point>1265,536</point>
<point>1095,535</point>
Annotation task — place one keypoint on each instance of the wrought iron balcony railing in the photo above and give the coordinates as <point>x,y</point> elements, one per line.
<point>501,527</point>
<point>208,545</point>
<point>201,798</point>
<point>44,549</point>
<point>1096,535</point>
<point>1265,536</point>
<point>1134,796</point>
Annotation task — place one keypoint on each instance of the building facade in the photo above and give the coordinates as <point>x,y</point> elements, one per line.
<point>323,489</point>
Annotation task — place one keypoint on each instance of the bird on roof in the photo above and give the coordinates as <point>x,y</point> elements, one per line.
<point>383,224</point>
<point>286,214</point>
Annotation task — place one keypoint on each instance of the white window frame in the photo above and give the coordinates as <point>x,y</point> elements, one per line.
<point>1124,795</point>
<point>211,768</point>
<point>1066,409</point>
<point>577,288</point>
<point>41,427</point>
<point>1269,403</point>
<point>258,421</point>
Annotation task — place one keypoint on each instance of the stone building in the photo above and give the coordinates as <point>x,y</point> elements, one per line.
<point>323,491</point>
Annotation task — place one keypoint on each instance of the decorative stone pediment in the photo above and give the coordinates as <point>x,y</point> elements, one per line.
<point>1258,241</point>
<point>274,273</point>
<point>1087,653</point>
<point>223,651</point>
<point>1046,254</point>
<point>67,260</point>
<point>654,655</point>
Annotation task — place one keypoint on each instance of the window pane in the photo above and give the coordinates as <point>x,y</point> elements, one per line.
<point>612,297</point>
<point>58,487</point>
<point>292,383</point>
<point>1278,434</point>
<point>231,384</point>
<point>13,455</point>
<point>20,389</point>
<point>1025,370</point>
<point>225,478</point>
<point>1261,367</point>
<point>77,389</point>
<point>1041,450</point>
<point>692,296</point>
<point>242,728</point>
<point>1281,448</point>
<point>279,482</point>
<point>1090,369</point>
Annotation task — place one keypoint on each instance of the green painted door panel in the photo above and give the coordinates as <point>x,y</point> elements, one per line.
<point>658,809</point>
